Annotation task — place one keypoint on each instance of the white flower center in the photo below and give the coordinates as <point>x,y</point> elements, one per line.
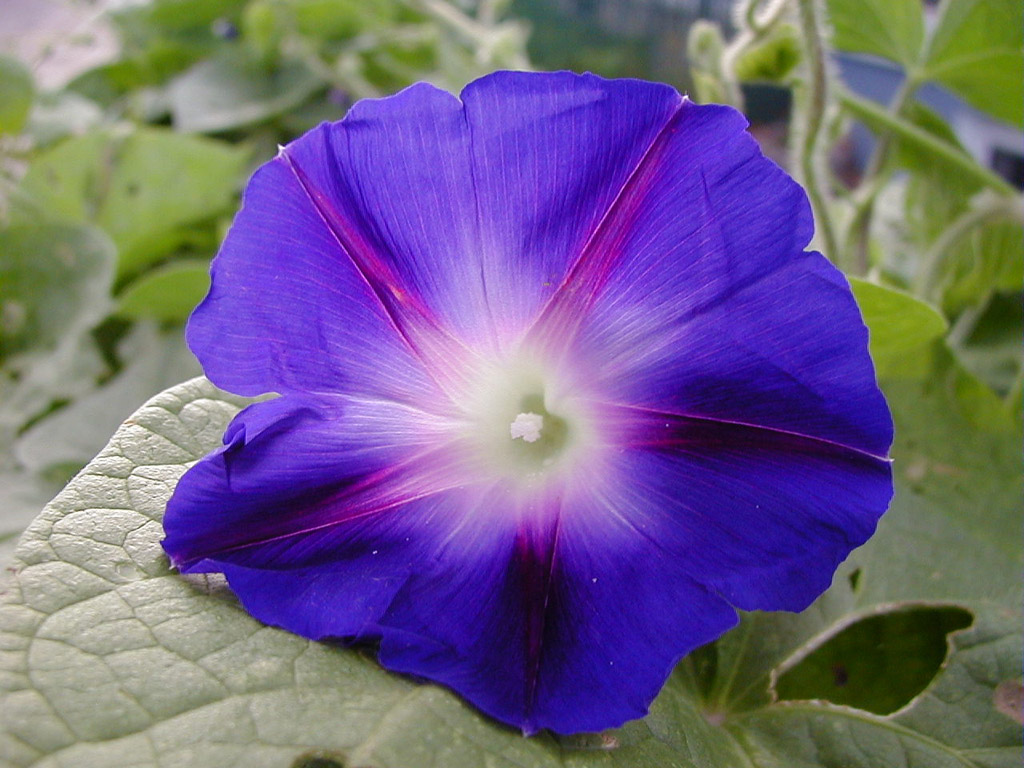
<point>526,420</point>
<point>527,426</point>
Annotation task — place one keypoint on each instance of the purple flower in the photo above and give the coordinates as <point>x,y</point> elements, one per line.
<point>561,389</point>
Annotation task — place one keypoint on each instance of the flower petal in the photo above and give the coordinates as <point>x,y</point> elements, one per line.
<point>696,296</point>
<point>762,517</point>
<point>380,215</point>
<point>602,251</point>
<point>622,611</point>
<point>299,476</point>
<point>344,594</point>
<point>558,617</point>
<point>288,311</point>
<point>551,153</point>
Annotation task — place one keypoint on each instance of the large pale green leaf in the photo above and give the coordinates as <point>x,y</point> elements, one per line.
<point>147,188</point>
<point>111,659</point>
<point>22,495</point>
<point>893,29</point>
<point>977,50</point>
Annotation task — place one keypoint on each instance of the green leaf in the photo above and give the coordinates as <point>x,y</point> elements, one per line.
<point>111,659</point>
<point>991,351</point>
<point>953,724</point>
<point>773,59</point>
<point>54,283</point>
<point>163,17</point>
<point>58,115</point>
<point>339,19</point>
<point>977,50</point>
<point>74,434</point>
<point>229,92</point>
<point>54,289</point>
<point>892,29</point>
<point>169,292</point>
<point>936,193</point>
<point>15,95</point>
<point>951,533</point>
<point>879,663</point>
<point>898,324</point>
<point>22,495</point>
<point>986,259</point>
<point>159,39</point>
<point>148,188</point>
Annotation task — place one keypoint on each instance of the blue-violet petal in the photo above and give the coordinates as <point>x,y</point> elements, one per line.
<point>560,389</point>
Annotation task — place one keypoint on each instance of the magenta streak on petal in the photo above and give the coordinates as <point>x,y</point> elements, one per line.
<point>588,274</point>
<point>425,474</point>
<point>639,427</point>
<point>414,320</point>
<point>536,551</point>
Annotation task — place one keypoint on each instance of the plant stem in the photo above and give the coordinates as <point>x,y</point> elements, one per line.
<point>812,163</point>
<point>760,23</point>
<point>964,163</point>
<point>859,232</point>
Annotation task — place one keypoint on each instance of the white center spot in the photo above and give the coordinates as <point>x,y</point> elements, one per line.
<point>527,426</point>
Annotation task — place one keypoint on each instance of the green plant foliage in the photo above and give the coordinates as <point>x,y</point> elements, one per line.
<point>54,287</point>
<point>54,283</point>
<point>899,324</point>
<point>73,435</point>
<point>147,188</point>
<point>878,663</point>
<point>772,60</point>
<point>168,293</point>
<point>977,50</point>
<point>231,91</point>
<point>892,29</point>
<point>951,533</point>
<point>16,91</point>
<point>992,349</point>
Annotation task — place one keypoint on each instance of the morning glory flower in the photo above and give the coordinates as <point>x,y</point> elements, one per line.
<point>560,390</point>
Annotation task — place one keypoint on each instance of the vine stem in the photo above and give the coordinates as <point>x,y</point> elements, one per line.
<point>859,232</point>
<point>964,163</point>
<point>755,23</point>
<point>761,22</point>
<point>813,167</point>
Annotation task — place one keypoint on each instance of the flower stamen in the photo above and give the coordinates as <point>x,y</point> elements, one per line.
<point>527,426</point>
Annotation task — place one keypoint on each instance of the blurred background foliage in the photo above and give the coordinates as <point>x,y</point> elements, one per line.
<point>127,135</point>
